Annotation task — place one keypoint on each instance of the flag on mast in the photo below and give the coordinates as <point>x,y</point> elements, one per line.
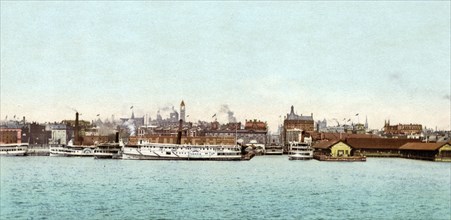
<point>357,114</point>
<point>131,107</point>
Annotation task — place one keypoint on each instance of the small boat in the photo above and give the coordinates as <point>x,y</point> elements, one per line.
<point>17,149</point>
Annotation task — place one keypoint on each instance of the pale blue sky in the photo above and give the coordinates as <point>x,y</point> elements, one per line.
<point>387,60</point>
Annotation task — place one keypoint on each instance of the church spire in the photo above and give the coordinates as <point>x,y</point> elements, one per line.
<point>366,122</point>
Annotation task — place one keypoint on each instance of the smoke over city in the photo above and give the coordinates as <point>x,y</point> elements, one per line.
<point>225,110</point>
<point>130,125</point>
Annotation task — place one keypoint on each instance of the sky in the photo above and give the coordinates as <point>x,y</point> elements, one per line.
<point>382,60</point>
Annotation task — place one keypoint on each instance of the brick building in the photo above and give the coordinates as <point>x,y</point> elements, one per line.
<point>402,129</point>
<point>294,122</point>
<point>10,135</point>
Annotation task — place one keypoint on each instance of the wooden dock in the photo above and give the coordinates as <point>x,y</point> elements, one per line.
<point>344,159</point>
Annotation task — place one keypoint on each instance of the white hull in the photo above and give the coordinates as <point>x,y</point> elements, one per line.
<point>108,151</point>
<point>300,151</point>
<point>13,149</point>
<point>71,151</point>
<point>303,155</point>
<point>181,152</point>
<point>14,153</point>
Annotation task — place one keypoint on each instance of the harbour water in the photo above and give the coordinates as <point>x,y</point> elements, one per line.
<point>270,187</point>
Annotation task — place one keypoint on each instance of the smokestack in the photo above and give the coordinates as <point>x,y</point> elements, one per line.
<point>117,137</point>
<point>179,133</point>
<point>76,132</point>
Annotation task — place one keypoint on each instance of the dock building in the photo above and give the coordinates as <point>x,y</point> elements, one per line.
<point>336,150</point>
<point>427,151</point>
<point>379,147</point>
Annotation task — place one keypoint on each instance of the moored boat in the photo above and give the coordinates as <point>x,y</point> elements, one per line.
<point>108,151</point>
<point>16,149</point>
<point>71,150</point>
<point>144,150</point>
<point>302,149</point>
<point>157,151</point>
<point>274,150</point>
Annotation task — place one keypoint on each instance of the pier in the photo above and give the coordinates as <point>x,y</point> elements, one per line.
<point>348,159</point>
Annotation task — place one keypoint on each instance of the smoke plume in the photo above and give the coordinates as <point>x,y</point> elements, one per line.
<point>226,110</point>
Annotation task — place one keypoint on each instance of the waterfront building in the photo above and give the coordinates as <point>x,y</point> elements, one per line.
<point>59,133</point>
<point>378,147</point>
<point>336,150</point>
<point>318,136</point>
<point>35,134</point>
<point>414,130</point>
<point>427,151</point>
<point>10,136</point>
<point>295,122</point>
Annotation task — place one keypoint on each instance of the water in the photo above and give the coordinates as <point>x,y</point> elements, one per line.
<point>269,187</point>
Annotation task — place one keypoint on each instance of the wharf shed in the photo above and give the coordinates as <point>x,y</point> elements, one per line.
<point>440,151</point>
<point>336,150</point>
<point>379,147</point>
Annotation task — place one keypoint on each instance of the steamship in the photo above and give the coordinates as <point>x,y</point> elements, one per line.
<point>13,149</point>
<point>301,150</point>
<point>108,151</point>
<point>161,151</point>
<point>71,150</point>
<point>158,151</point>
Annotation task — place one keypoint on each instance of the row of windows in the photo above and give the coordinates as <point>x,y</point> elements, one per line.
<point>219,154</point>
<point>189,148</point>
<point>13,149</point>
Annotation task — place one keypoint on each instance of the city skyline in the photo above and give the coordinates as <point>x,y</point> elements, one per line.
<point>384,60</point>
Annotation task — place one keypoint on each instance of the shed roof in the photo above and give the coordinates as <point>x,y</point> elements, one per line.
<point>325,144</point>
<point>378,143</point>
<point>336,136</point>
<point>422,146</point>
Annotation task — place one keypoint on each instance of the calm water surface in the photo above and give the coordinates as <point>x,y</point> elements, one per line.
<point>270,187</point>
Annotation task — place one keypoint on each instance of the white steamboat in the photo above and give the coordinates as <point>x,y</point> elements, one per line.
<point>17,149</point>
<point>158,151</point>
<point>302,149</point>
